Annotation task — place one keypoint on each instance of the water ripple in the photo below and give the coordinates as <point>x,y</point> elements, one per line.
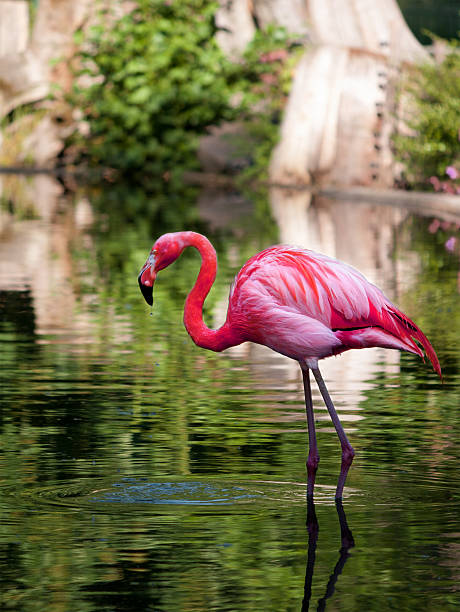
<point>129,492</point>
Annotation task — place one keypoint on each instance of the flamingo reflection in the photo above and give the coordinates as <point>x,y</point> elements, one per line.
<point>347,542</point>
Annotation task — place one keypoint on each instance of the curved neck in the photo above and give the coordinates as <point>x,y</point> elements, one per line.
<point>218,339</point>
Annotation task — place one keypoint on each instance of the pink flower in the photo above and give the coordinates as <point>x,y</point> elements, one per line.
<point>451,243</point>
<point>274,56</point>
<point>435,182</point>
<point>448,188</point>
<point>434,226</point>
<point>269,79</point>
<point>452,172</point>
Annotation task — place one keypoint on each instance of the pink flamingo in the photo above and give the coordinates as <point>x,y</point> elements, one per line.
<point>299,303</point>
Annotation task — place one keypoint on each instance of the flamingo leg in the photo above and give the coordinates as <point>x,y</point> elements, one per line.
<point>347,450</point>
<point>313,456</point>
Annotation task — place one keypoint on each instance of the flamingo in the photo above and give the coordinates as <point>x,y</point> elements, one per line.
<point>299,303</point>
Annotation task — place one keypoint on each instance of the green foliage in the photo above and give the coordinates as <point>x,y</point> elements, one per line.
<point>151,84</point>
<point>15,129</point>
<point>266,75</point>
<point>157,80</point>
<point>434,120</point>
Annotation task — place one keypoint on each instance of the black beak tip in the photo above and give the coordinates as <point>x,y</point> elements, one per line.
<point>147,292</point>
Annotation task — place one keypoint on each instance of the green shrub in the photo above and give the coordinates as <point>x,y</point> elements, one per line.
<point>154,81</point>
<point>157,79</point>
<point>434,119</point>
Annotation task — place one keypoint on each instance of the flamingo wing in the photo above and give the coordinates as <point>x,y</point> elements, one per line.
<point>286,285</point>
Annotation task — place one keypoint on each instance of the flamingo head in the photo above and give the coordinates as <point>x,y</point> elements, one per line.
<point>164,252</point>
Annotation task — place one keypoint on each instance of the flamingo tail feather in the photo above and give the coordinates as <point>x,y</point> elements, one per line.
<point>410,332</point>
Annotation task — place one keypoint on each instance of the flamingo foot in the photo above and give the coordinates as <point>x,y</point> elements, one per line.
<point>348,454</point>
<point>312,467</point>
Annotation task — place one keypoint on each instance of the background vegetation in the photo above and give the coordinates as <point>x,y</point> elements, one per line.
<point>157,79</point>
<point>150,85</point>
<point>431,152</point>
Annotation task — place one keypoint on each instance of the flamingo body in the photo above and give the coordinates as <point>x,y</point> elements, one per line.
<point>308,306</point>
<point>299,303</point>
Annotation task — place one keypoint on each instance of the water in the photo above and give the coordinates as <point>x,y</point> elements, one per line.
<point>139,472</point>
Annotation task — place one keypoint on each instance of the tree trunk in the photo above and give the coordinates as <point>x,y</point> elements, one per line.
<point>337,122</point>
<point>27,64</point>
<point>235,22</point>
<point>21,76</point>
<point>290,14</point>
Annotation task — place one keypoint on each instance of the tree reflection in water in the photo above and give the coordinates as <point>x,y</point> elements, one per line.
<point>90,396</point>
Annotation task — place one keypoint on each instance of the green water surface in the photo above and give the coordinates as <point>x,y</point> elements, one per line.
<point>139,472</point>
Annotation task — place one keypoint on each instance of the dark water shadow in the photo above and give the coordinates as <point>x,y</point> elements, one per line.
<point>347,542</point>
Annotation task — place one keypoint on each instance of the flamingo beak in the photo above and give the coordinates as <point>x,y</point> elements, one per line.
<point>146,279</point>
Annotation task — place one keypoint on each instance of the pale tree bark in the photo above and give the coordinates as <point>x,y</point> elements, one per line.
<point>337,121</point>
<point>21,76</point>
<point>13,39</point>
<point>377,27</point>
<point>235,21</point>
<point>238,21</point>
<point>52,37</point>
<point>28,64</point>
<point>291,14</point>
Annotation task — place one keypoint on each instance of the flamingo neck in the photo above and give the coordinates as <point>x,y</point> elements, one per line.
<point>203,336</point>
